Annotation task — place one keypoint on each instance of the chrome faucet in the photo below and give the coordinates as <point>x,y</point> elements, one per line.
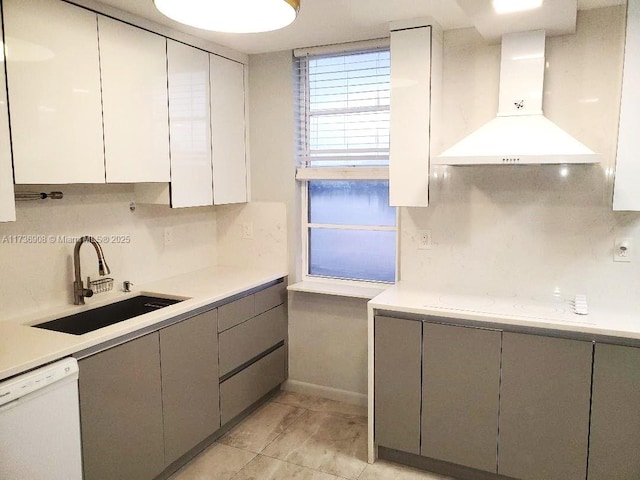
<point>79,292</point>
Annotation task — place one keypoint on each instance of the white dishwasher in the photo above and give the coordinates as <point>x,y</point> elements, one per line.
<point>40,424</point>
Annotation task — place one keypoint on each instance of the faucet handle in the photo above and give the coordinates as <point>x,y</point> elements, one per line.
<point>126,286</point>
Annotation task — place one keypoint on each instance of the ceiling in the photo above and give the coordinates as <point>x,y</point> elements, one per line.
<point>323,22</point>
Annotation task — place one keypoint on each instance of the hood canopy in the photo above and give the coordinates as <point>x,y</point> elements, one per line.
<point>520,134</point>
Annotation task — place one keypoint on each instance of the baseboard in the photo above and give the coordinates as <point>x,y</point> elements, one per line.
<point>344,396</point>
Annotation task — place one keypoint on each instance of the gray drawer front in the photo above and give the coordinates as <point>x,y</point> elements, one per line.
<point>248,386</point>
<point>249,339</point>
<point>233,313</point>
<point>271,297</point>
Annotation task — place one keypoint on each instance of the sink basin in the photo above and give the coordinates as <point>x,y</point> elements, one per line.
<point>90,320</point>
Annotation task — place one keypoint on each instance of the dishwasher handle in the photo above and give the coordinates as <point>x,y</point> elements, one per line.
<point>9,406</point>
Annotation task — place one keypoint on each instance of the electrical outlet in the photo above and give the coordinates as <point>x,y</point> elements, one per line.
<point>424,240</point>
<point>622,251</point>
<point>247,231</point>
<point>168,236</point>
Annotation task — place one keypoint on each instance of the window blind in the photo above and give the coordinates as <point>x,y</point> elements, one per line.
<point>343,109</point>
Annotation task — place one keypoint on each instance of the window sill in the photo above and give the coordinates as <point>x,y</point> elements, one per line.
<point>337,289</point>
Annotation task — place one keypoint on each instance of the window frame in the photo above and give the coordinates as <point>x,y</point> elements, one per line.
<point>305,174</point>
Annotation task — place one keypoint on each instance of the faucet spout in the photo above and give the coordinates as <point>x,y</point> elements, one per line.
<point>79,292</point>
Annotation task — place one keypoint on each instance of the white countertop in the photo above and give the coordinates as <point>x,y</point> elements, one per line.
<point>23,347</point>
<point>545,311</point>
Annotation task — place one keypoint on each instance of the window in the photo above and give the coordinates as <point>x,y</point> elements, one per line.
<point>349,229</point>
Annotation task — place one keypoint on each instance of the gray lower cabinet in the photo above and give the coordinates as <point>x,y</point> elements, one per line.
<point>614,451</point>
<point>246,387</point>
<point>398,345</point>
<point>461,395</point>
<point>121,411</point>
<point>190,391</point>
<point>544,407</point>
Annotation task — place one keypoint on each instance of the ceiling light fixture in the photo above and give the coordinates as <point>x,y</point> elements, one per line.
<point>511,6</point>
<point>231,16</point>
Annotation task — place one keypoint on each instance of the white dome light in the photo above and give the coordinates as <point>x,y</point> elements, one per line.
<point>231,16</point>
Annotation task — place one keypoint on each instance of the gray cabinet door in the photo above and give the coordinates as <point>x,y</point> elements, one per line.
<point>190,391</point>
<point>398,345</point>
<point>614,451</point>
<point>460,395</point>
<point>121,411</point>
<point>544,407</point>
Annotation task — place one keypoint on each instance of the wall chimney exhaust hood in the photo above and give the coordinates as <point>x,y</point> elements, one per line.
<point>520,134</point>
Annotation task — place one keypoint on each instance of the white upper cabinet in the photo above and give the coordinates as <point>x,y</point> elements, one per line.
<point>53,77</point>
<point>228,131</point>
<point>626,193</point>
<point>190,126</point>
<point>7,203</point>
<point>135,103</point>
<point>414,65</point>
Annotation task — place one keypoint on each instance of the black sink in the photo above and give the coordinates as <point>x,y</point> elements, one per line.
<point>90,320</point>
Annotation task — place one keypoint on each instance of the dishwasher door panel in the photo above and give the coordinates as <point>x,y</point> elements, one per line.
<point>40,435</point>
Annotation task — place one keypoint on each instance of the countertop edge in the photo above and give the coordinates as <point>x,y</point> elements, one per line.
<point>25,348</point>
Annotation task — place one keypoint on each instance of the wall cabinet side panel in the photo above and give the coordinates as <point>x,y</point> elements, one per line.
<point>7,203</point>
<point>410,117</point>
<point>625,196</point>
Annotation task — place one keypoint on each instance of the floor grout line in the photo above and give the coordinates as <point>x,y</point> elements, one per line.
<point>306,411</point>
<point>302,417</point>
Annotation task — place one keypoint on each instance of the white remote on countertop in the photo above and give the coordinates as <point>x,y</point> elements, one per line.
<point>580,305</point>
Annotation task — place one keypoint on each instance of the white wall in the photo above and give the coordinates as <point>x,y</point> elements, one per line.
<point>528,227</point>
<point>268,247</point>
<point>272,140</point>
<point>492,226</point>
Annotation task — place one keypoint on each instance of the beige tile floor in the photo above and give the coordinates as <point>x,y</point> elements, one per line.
<point>296,437</point>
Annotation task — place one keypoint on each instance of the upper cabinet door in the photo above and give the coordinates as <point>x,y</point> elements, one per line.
<point>190,126</point>
<point>411,70</point>
<point>626,195</point>
<point>228,130</point>
<point>7,203</point>
<point>54,87</point>
<point>135,104</point>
